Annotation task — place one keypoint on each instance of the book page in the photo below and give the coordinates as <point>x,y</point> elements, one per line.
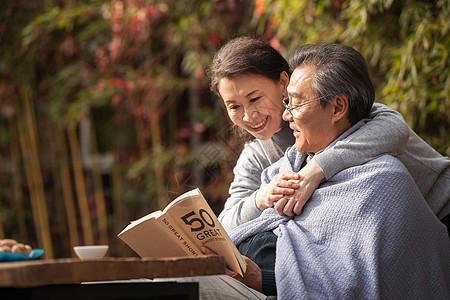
<point>191,193</point>
<point>146,237</point>
<point>198,221</point>
<point>154,215</point>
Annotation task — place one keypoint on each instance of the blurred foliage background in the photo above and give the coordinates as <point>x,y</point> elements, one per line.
<point>106,115</point>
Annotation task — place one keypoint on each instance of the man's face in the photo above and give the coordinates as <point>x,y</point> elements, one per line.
<point>312,125</point>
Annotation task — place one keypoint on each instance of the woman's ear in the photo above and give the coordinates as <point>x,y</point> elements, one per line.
<point>284,80</point>
<point>340,107</point>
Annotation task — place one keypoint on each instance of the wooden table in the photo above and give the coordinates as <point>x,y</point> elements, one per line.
<point>39,279</point>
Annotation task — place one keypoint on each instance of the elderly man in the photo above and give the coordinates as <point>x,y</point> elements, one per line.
<point>365,233</point>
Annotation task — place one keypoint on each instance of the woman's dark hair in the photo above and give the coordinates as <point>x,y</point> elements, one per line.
<point>246,55</point>
<point>338,70</point>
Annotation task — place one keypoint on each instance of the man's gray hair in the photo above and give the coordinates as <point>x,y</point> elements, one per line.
<point>338,70</point>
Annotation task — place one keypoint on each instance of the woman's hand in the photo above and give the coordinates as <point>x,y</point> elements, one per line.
<point>292,204</point>
<point>280,186</point>
<point>252,277</point>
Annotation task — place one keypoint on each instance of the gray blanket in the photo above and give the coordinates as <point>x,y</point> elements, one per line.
<point>367,233</point>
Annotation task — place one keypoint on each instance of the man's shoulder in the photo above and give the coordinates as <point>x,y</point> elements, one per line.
<point>381,180</point>
<point>386,163</point>
<point>381,170</point>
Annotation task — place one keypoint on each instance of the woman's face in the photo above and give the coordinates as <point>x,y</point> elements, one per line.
<point>254,103</point>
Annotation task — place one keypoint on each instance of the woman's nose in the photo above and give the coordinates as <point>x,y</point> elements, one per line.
<point>249,114</point>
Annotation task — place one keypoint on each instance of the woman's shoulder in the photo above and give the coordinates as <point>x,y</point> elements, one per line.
<point>253,156</point>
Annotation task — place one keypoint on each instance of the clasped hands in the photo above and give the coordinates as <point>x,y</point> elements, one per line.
<point>288,192</point>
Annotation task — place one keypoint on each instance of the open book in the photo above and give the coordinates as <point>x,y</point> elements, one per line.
<point>185,225</point>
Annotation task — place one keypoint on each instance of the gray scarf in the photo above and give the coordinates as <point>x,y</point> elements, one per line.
<point>367,233</point>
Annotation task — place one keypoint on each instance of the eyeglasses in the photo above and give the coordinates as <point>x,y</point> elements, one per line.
<point>290,109</point>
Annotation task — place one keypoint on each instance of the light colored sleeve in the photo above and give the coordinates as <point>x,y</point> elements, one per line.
<point>240,207</point>
<point>385,133</point>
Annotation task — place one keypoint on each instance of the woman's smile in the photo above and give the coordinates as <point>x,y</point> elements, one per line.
<point>260,126</point>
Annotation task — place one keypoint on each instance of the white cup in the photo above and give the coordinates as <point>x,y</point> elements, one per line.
<point>91,252</point>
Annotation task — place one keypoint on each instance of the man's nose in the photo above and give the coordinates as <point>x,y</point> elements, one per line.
<point>287,116</point>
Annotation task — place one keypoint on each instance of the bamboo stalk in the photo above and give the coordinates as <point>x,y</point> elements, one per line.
<point>29,179</point>
<point>17,180</point>
<point>194,104</point>
<point>158,167</point>
<point>117,207</point>
<point>80,184</point>
<point>140,127</point>
<point>98,192</point>
<point>2,228</point>
<point>58,213</point>
<point>172,119</point>
<point>66,186</point>
<point>37,175</point>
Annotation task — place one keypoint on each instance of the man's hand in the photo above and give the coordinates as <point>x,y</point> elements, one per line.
<point>292,204</point>
<point>280,186</point>
<point>252,277</point>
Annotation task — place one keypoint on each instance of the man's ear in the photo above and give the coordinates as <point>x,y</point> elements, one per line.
<point>340,107</point>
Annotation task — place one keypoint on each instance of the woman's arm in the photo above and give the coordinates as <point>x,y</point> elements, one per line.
<point>385,133</point>
<point>240,207</point>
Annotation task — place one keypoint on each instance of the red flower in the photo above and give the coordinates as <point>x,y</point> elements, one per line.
<point>214,38</point>
<point>275,43</point>
<point>260,7</point>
